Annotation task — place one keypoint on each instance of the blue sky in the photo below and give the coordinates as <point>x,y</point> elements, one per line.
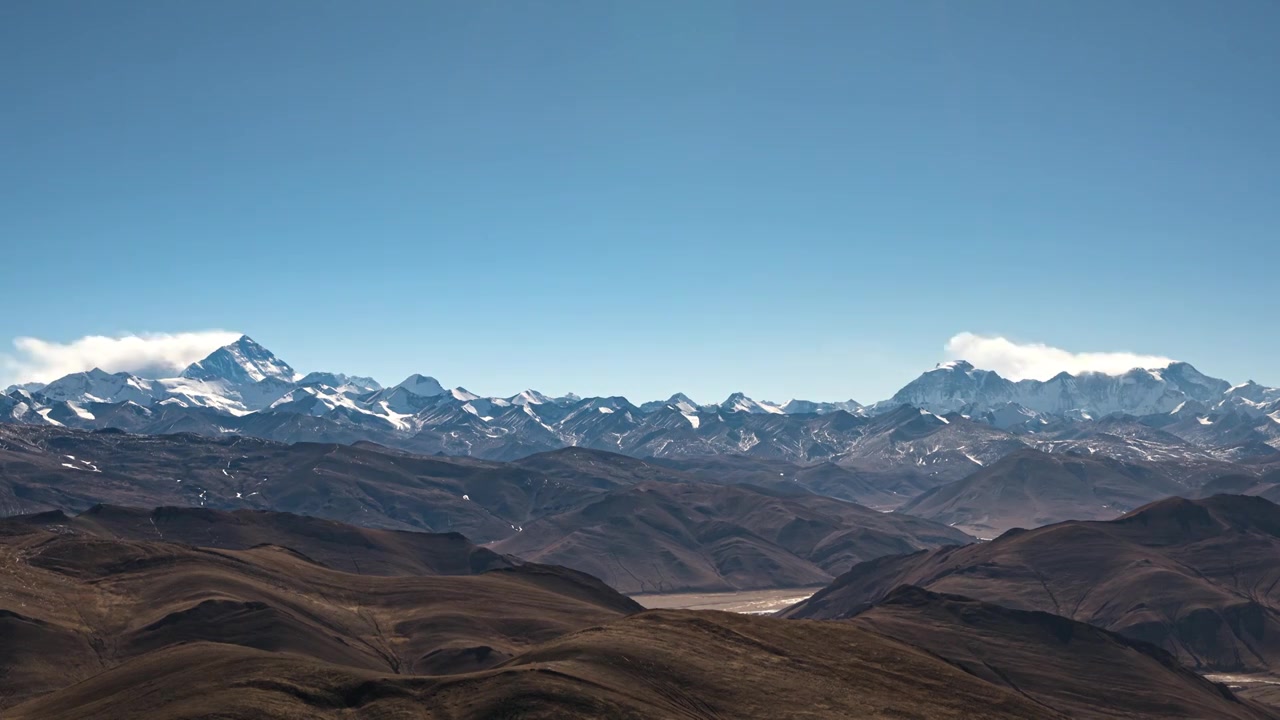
<point>637,198</point>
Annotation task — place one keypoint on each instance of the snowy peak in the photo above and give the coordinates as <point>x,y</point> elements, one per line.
<point>311,400</point>
<point>1195,384</point>
<point>739,402</point>
<point>810,407</point>
<point>617,408</point>
<point>340,380</point>
<point>960,387</point>
<point>679,402</point>
<point>683,403</point>
<point>1251,393</point>
<point>397,400</point>
<point>529,397</point>
<point>462,394</point>
<point>98,386</point>
<point>242,362</point>
<point>963,366</point>
<point>422,386</point>
<point>952,386</point>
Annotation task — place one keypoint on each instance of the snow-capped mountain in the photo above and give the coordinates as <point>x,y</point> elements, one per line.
<point>683,403</point>
<point>421,386</point>
<point>529,397</point>
<point>98,386</point>
<point>952,418</point>
<point>242,362</point>
<point>317,400</point>
<point>960,387</point>
<point>18,406</point>
<point>679,401</point>
<point>800,407</point>
<point>739,402</point>
<point>951,387</point>
<point>338,380</point>
<point>1252,398</point>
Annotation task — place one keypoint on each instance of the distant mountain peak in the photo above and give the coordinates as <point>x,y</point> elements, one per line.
<point>529,397</point>
<point>421,385</point>
<point>462,394</point>
<point>336,380</point>
<point>739,402</point>
<point>680,402</point>
<point>242,362</point>
<point>27,387</point>
<point>958,386</point>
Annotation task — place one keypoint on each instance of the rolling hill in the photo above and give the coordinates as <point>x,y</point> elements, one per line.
<point>1198,578</point>
<point>675,537</point>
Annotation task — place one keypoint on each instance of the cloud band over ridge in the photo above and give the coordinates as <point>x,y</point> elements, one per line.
<point>1037,361</point>
<point>166,354</point>
<point>147,354</point>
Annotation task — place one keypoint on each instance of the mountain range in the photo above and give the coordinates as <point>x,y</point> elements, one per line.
<point>160,511</point>
<point>945,424</point>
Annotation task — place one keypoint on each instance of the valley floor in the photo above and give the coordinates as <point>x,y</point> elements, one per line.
<point>1262,688</point>
<point>753,602</point>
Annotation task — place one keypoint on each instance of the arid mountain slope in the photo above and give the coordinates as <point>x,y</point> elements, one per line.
<point>363,551</point>
<point>1197,578</point>
<point>76,605</point>
<point>1048,658</point>
<point>1030,488</point>
<point>109,628</point>
<point>660,664</point>
<point>706,536</point>
<point>672,537</point>
<point>53,468</point>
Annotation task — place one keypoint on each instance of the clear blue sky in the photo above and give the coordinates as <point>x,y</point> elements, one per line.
<point>791,199</point>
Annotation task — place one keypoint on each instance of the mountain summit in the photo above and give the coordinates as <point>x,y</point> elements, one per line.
<point>739,402</point>
<point>421,385</point>
<point>242,362</point>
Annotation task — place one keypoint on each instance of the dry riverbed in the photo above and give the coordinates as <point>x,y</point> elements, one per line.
<point>755,602</point>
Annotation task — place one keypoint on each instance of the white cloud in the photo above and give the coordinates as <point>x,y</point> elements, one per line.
<point>1020,361</point>
<point>148,354</point>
